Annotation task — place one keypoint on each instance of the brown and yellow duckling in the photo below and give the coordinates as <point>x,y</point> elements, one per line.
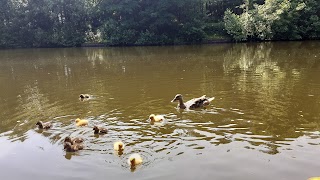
<point>42,125</point>
<point>118,146</point>
<point>99,130</point>
<point>73,141</point>
<point>156,118</point>
<point>193,103</point>
<point>72,147</point>
<point>84,97</point>
<point>134,159</point>
<point>81,122</point>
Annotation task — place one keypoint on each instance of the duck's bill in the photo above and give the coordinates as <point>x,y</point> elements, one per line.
<point>173,100</point>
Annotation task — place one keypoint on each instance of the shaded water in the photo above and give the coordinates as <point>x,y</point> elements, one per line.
<point>263,124</point>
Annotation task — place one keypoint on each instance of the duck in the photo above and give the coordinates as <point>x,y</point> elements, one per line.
<point>84,96</point>
<point>314,178</point>
<point>193,103</point>
<point>156,118</point>
<point>72,147</point>
<point>134,159</point>
<point>118,146</point>
<point>81,122</point>
<point>99,130</point>
<point>73,141</point>
<point>42,125</point>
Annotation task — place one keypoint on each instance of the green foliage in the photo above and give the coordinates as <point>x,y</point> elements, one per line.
<point>52,23</point>
<point>275,20</point>
<point>234,26</point>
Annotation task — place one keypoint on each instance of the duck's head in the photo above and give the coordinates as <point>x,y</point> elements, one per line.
<point>177,98</point>
<point>77,120</point>
<point>67,145</point>
<point>151,117</point>
<point>39,123</point>
<point>67,139</point>
<point>95,128</point>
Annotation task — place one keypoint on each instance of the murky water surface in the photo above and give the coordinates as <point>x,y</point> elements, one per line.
<point>263,124</point>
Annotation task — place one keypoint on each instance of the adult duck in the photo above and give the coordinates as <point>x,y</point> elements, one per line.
<point>193,103</point>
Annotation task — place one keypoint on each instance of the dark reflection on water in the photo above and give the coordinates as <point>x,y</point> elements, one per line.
<point>266,111</point>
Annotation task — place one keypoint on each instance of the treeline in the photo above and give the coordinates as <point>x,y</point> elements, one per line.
<point>56,23</point>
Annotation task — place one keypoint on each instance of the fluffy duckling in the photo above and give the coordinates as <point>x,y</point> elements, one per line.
<point>118,146</point>
<point>314,178</point>
<point>156,118</point>
<point>134,159</point>
<point>42,125</point>
<point>81,122</point>
<point>73,141</point>
<point>99,130</point>
<point>84,96</point>
<point>193,103</point>
<point>72,147</point>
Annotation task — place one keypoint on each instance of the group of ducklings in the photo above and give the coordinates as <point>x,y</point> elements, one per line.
<point>76,144</point>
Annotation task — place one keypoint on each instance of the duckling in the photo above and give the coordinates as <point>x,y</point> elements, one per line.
<point>193,103</point>
<point>72,148</point>
<point>314,178</point>
<point>118,146</point>
<point>84,96</point>
<point>42,125</point>
<point>81,122</point>
<point>134,159</point>
<point>156,118</point>
<point>99,130</point>
<point>73,141</point>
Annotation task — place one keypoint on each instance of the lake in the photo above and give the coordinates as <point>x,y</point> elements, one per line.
<point>264,122</point>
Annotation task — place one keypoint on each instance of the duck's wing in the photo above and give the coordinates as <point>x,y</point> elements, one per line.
<point>196,102</point>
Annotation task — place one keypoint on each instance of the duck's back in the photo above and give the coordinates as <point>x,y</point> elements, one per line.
<point>196,102</point>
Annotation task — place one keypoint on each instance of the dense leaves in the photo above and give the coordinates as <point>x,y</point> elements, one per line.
<point>54,23</point>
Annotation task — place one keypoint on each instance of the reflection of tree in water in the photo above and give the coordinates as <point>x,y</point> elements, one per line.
<point>33,107</point>
<point>270,78</point>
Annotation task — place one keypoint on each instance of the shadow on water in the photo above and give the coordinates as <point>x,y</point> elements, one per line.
<point>266,97</point>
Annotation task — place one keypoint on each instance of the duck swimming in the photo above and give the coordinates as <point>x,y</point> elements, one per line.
<point>193,103</point>
<point>134,159</point>
<point>156,118</point>
<point>84,96</point>
<point>81,122</point>
<point>118,146</point>
<point>42,125</point>
<point>73,141</point>
<point>99,130</point>
<point>72,147</point>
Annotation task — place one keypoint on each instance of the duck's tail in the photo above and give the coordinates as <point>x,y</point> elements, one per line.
<point>210,99</point>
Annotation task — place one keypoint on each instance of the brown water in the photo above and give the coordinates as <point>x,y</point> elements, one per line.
<point>263,124</point>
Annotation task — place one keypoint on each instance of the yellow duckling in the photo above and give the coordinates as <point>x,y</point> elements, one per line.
<point>81,122</point>
<point>118,146</point>
<point>134,159</point>
<point>156,118</point>
<point>314,178</point>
